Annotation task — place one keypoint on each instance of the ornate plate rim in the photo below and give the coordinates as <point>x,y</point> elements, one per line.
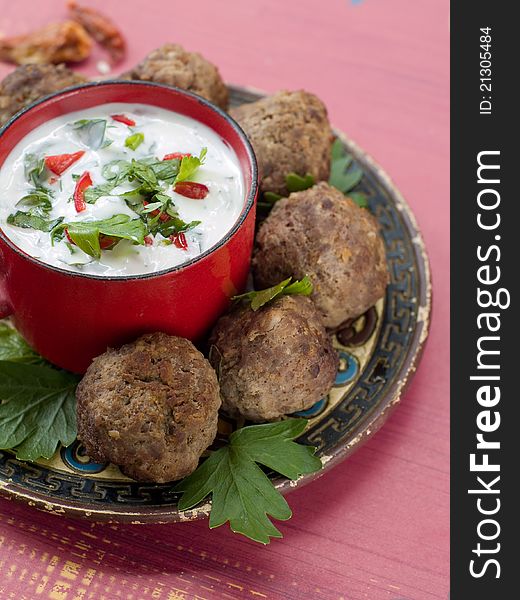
<point>359,434</point>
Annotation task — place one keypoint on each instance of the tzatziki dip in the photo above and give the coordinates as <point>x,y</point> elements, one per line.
<point>120,189</point>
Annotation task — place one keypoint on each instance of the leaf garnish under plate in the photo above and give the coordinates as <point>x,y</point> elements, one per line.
<point>241,492</point>
<point>37,409</point>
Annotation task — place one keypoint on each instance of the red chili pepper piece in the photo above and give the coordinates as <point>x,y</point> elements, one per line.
<point>164,217</point>
<point>190,189</point>
<point>69,239</point>
<point>82,184</point>
<point>179,155</point>
<point>106,242</point>
<point>179,240</point>
<point>61,162</point>
<point>123,119</point>
<point>148,240</point>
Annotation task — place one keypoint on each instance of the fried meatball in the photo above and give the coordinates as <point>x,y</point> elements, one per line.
<point>172,65</point>
<point>290,133</point>
<point>321,233</point>
<point>150,407</point>
<point>273,361</point>
<point>29,83</point>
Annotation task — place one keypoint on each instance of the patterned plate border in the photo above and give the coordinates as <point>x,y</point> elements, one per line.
<point>356,417</point>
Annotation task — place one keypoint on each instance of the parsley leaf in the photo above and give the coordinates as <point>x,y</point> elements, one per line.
<point>344,173</point>
<point>241,492</point>
<point>85,234</point>
<point>91,132</point>
<point>14,348</point>
<point>175,225</point>
<point>189,164</point>
<point>34,169</point>
<point>116,171</point>
<point>261,297</point>
<point>37,202</point>
<point>297,183</point>
<point>134,141</point>
<point>91,194</point>
<point>29,221</point>
<point>166,170</point>
<point>144,174</point>
<point>37,409</point>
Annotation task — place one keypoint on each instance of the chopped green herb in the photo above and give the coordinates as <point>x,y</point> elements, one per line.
<point>116,171</point>
<point>144,174</point>
<point>29,221</point>
<point>166,170</point>
<point>91,194</point>
<point>34,169</point>
<point>297,183</point>
<point>91,132</point>
<point>14,348</point>
<point>152,206</point>
<point>359,198</point>
<point>344,173</point>
<point>134,141</point>
<point>174,225</point>
<point>261,297</point>
<point>36,202</point>
<point>241,492</point>
<point>85,234</point>
<point>271,197</point>
<point>189,164</point>
<point>37,409</point>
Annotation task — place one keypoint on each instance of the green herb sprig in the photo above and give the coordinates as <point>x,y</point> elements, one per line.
<point>37,401</point>
<point>14,348</point>
<point>85,234</point>
<point>241,492</point>
<point>345,174</point>
<point>35,208</point>
<point>259,298</point>
<point>91,132</point>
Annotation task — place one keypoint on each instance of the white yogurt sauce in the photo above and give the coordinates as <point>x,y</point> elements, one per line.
<point>164,132</point>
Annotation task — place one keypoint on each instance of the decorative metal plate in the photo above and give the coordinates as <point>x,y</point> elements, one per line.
<point>378,356</point>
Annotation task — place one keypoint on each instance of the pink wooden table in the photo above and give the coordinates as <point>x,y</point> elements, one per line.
<point>377,526</point>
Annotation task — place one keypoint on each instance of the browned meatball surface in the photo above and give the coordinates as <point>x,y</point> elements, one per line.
<point>275,361</point>
<point>31,82</point>
<point>150,407</point>
<point>290,133</point>
<point>172,65</point>
<point>321,233</point>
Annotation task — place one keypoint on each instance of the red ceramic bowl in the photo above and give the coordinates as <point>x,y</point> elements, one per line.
<point>70,318</point>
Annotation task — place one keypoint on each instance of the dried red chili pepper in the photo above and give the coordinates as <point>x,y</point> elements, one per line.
<point>123,119</point>
<point>191,189</point>
<point>179,240</point>
<point>82,184</point>
<point>59,163</point>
